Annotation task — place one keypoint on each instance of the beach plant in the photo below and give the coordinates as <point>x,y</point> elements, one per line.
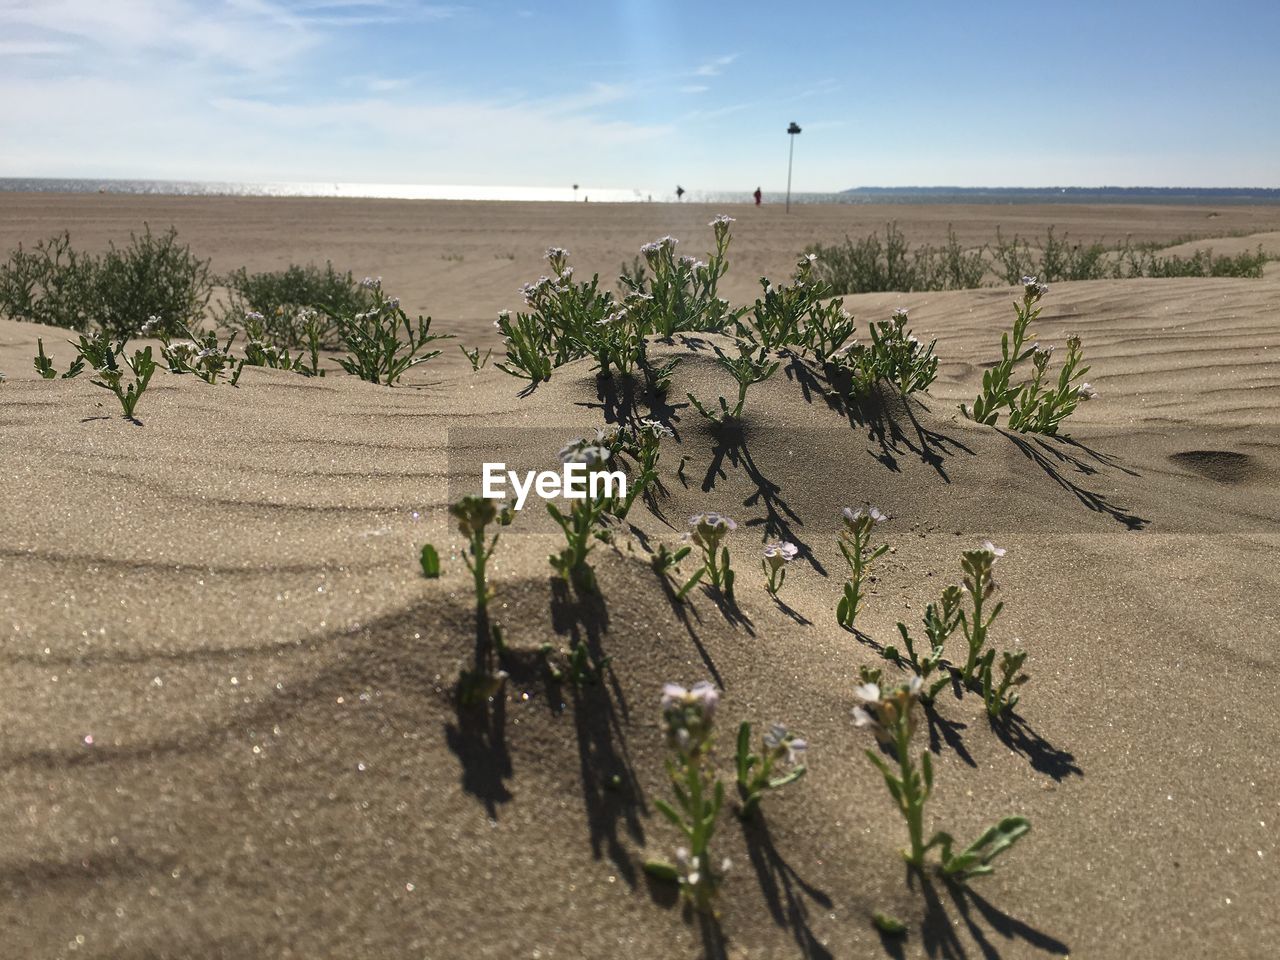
<point>127,390</point>
<point>51,283</point>
<point>780,750</point>
<point>475,515</point>
<point>527,350</point>
<point>895,356</point>
<point>558,325</point>
<point>474,358</point>
<point>892,715</point>
<point>899,358</point>
<point>940,621</point>
<point>200,353</point>
<point>800,316</point>
<point>680,294</point>
<point>998,392</point>
<point>776,555</point>
<point>581,528</point>
<point>859,554</point>
<point>154,276</point>
<point>980,586</point>
<point>285,307</point>
<point>262,349</point>
<point>707,532</point>
<point>1000,693</point>
<point>1039,406</point>
<point>373,340</point>
<point>643,446</point>
<point>44,366</point>
<point>697,791</point>
<point>752,365</point>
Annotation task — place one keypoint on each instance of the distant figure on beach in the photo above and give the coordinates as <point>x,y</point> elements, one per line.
<point>679,192</point>
<point>758,195</point>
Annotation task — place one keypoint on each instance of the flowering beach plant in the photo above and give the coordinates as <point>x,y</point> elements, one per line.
<point>779,762</point>
<point>855,544</point>
<point>893,717</point>
<point>1042,403</point>
<point>777,554</point>
<point>382,344</point>
<point>679,293</point>
<point>707,532</point>
<point>689,716</point>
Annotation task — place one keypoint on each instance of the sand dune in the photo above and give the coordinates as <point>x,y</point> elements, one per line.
<point>230,728</point>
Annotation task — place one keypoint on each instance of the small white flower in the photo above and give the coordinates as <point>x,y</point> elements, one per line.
<point>673,695</point>
<point>721,221</point>
<point>900,313</point>
<point>861,718</point>
<point>556,252</point>
<point>1086,392</point>
<point>371,283</point>
<point>991,548</point>
<point>876,514</point>
<point>867,692</point>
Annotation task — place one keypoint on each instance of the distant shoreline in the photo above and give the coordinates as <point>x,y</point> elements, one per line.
<point>853,196</point>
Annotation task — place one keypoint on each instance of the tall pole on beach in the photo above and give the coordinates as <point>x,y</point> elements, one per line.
<point>791,154</point>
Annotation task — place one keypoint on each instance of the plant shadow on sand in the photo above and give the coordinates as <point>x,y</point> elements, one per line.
<point>611,793</point>
<point>785,892</point>
<point>1011,729</point>
<point>938,928</point>
<point>882,413</point>
<point>478,737</point>
<point>1051,454</point>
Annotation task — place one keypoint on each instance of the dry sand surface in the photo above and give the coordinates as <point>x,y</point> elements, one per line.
<point>228,707</point>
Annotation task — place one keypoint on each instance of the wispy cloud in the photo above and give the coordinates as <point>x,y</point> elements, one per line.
<point>714,68</point>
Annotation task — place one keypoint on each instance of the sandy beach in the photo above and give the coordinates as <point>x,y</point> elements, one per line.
<point>229,711</point>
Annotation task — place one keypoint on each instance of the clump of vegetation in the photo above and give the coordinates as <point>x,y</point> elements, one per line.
<point>566,320</point>
<point>873,265</point>
<point>581,528</point>
<point>285,307</point>
<point>1042,403</point>
<point>128,391</point>
<point>373,340</point>
<point>855,544</point>
<point>895,356</point>
<point>800,315</point>
<point>892,715</point>
<point>200,353</point>
<point>116,292</point>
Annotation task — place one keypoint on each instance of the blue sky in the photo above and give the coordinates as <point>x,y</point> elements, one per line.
<point>643,94</point>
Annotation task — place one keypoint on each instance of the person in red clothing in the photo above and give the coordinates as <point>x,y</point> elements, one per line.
<point>758,195</point>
